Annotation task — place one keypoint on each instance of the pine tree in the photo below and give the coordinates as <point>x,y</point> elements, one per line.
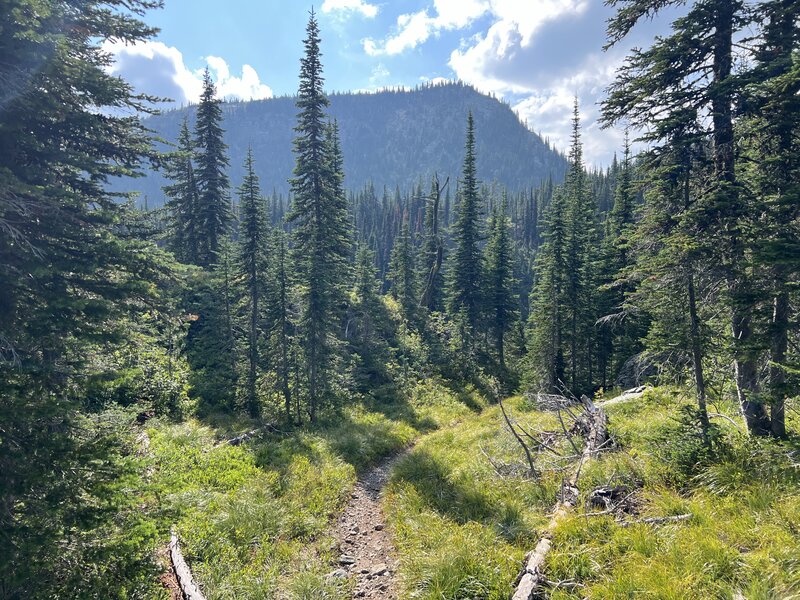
<point>401,271</point>
<point>618,329</point>
<point>771,130</point>
<point>183,199</point>
<point>280,320</point>
<point>547,368</point>
<point>68,128</point>
<point>501,303</point>
<point>466,268</point>
<point>579,282</point>
<point>253,237</point>
<point>321,223</point>
<point>213,206</point>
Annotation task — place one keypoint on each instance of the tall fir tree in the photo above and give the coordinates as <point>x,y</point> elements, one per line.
<point>213,206</point>
<point>321,224</point>
<point>183,199</point>
<point>401,271</point>
<point>466,262</point>
<point>579,282</point>
<point>501,303</point>
<point>68,128</point>
<point>546,358</point>
<point>771,132</point>
<point>649,90</point>
<point>280,320</point>
<point>253,238</point>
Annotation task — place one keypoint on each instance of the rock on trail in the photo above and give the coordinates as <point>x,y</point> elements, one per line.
<point>366,551</point>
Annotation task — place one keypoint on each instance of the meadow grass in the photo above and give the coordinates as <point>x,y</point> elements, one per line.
<point>462,530</point>
<point>252,518</point>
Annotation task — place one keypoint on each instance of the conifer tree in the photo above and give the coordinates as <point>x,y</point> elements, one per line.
<point>771,130</point>
<point>68,128</point>
<point>401,271</point>
<point>500,301</point>
<point>547,368</point>
<point>183,199</point>
<point>213,206</point>
<point>466,268</point>
<point>253,237</point>
<point>280,319</point>
<point>579,282</point>
<point>651,90</point>
<point>321,224</point>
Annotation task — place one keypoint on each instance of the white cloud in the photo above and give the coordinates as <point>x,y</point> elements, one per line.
<point>157,69</point>
<point>350,6</point>
<point>414,29</point>
<point>230,87</point>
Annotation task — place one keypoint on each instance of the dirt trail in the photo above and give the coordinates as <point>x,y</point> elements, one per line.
<point>366,550</point>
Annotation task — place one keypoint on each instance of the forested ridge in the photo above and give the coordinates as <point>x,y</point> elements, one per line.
<point>389,138</point>
<point>238,364</point>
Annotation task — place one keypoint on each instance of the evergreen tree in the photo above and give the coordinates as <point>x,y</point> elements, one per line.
<point>547,368</point>
<point>321,224</point>
<point>183,198</point>
<point>771,130</point>
<point>466,268</point>
<point>280,320</point>
<point>68,128</point>
<point>253,236</point>
<point>432,277</point>
<point>500,301</point>
<point>579,281</point>
<point>213,206</point>
<point>651,90</point>
<point>369,322</point>
<point>401,272</point>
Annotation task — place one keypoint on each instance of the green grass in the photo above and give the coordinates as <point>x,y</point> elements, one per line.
<point>462,530</point>
<point>252,518</point>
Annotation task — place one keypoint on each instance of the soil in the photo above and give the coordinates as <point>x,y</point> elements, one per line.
<point>366,550</point>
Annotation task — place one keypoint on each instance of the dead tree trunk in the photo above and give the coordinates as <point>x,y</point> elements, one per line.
<point>531,576</point>
<point>189,588</point>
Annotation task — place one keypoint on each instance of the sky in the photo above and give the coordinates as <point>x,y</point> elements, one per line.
<point>536,54</point>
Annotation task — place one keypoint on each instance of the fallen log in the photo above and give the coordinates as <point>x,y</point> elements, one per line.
<point>190,590</point>
<point>246,436</point>
<point>657,520</point>
<point>532,575</point>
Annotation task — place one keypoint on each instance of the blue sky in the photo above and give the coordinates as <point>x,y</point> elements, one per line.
<point>537,54</point>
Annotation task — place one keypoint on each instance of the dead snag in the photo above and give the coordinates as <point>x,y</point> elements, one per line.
<point>532,576</point>
<point>190,590</point>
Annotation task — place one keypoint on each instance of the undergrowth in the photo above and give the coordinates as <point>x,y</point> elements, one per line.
<point>252,517</point>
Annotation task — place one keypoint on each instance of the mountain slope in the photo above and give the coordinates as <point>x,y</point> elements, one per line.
<point>390,138</point>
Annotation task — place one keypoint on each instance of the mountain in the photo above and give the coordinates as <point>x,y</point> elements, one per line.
<point>389,137</point>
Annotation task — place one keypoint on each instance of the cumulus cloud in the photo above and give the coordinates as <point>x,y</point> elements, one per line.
<point>350,6</point>
<point>157,69</point>
<point>538,54</point>
<point>414,29</point>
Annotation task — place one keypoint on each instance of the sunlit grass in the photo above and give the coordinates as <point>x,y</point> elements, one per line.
<point>252,517</point>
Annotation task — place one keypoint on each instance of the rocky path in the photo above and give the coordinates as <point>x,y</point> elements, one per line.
<point>366,549</point>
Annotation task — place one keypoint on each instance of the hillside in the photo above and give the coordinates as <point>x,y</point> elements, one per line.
<point>391,138</point>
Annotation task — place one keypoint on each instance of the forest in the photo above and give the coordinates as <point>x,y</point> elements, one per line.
<point>584,386</point>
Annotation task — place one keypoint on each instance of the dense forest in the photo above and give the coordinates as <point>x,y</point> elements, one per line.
<point>232,364</point>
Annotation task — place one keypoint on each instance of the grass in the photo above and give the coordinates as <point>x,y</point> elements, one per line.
<point>743,536</point>
<point>252,518</point>
<point>462,530</point>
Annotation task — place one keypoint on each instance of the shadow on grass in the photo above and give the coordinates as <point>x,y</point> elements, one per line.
<point>456,500</point>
